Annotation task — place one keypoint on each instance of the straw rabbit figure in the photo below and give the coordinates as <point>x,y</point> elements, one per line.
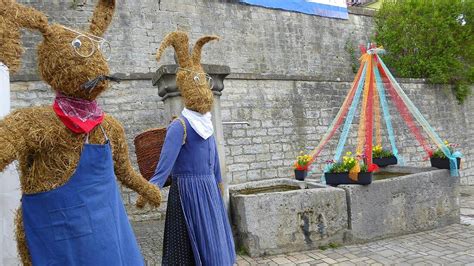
<point>48,153</point>
<point>196,219</point>
<point>196,94</point>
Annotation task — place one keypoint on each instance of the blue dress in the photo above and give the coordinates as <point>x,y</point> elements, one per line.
<point>84,221</point>
<point>195,168</point>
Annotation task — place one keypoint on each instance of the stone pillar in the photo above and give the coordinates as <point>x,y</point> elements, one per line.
<point>165,80</point>
<point>9,186</point>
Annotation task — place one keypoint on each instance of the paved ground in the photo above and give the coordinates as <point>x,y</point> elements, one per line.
<point>150,237</point>
<point>446,246</point>
<point>467,205</point>
<point>452,245</point>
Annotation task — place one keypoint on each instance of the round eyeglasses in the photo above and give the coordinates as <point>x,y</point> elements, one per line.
<point>200,78</point>
<point>85,44</point>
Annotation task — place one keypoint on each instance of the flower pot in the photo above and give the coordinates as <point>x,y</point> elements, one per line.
<point>335,179</point>
<point>385,161</point>
<point>301,174</point>
<point>443,163</point>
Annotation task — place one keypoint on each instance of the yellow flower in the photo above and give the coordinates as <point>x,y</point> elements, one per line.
<point>377,148</point>
<point>348,153</point>
<point>446,142</point>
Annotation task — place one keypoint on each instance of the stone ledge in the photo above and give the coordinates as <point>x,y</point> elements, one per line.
<point>426,199</point>
<point>154,76</point>
<point>363,11</point>
<point>165,79</point>
<point>172,69</point>
<point>252,76</point>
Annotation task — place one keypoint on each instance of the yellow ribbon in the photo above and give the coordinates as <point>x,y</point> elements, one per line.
<point>361,132</point>
<point>354,172</point>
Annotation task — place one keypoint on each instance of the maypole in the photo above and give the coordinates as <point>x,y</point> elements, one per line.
<point>369,90</point>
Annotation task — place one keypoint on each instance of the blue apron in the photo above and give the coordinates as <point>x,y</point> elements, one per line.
<point>84,221</point>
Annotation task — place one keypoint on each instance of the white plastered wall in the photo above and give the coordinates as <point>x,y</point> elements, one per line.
<point>9,187</point>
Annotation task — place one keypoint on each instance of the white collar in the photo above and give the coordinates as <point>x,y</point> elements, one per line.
<point>201,123</point>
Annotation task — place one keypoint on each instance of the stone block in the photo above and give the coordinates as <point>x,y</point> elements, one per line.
<point>309,216</point>
<point>423,200</point>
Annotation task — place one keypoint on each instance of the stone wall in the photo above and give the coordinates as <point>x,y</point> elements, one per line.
<point>253,39</point>
<point>288,116</point>
<point>290,74</point>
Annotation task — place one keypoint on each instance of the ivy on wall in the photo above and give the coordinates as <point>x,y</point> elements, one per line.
<point>432,39</point>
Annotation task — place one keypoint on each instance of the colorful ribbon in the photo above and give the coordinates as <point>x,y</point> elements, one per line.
<point>422,121</point>
<point>386,116</point>
<point>372,81</point>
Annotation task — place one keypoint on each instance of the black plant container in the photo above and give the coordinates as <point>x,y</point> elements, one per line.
<point>301,174</point>
<point>386,161</point>
<point>442,163</point>
<point>335,179</point>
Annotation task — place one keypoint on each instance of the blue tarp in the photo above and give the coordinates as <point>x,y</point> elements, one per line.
<point>325,8</point>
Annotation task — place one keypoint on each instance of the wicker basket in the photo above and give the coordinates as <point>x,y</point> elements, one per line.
<point>148,148</point>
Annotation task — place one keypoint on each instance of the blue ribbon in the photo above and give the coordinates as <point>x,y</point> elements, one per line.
<point>347,123</point>
<point>386,116</point>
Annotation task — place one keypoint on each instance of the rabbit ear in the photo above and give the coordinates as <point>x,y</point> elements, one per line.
<point>196,54</point>
<point>102,17</point>
<point>10,45</point>
<point>23,16</point>
<point>13,17</point>
<point>179,41</point>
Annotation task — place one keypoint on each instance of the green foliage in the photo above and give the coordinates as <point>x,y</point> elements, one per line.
<point>75,4</point>
<point>330,245</point>
<point>347,163</point>
<point>350,48</point>
<point>431,39</point>
<point>339,167</point>
<point>380,152</point>
<point>240,250</point>
<point>438,153</point>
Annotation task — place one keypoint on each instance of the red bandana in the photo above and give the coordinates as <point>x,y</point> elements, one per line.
<point>79,115</point>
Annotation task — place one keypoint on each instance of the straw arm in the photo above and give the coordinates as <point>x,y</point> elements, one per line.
<point>123,167</point>
<point>12,138</point>
<point>8,152</point>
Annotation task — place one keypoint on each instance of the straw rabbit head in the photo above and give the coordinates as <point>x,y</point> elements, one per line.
<point>67,58</point>
<point>194,84</point>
